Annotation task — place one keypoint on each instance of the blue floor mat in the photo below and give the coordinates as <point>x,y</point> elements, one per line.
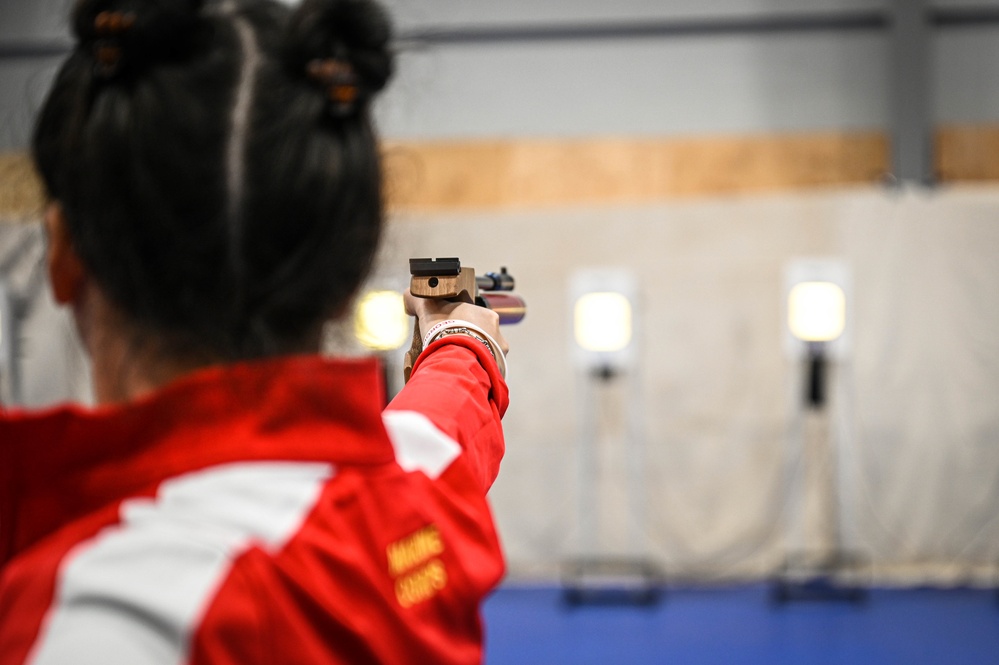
<point>739,625</point>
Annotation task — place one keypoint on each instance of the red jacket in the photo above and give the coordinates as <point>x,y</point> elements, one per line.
<point>257,513</point>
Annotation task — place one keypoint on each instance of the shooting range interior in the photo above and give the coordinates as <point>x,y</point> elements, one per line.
<point>755,396</point>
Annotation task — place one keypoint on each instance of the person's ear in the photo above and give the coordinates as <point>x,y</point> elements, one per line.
<point>67,274</point>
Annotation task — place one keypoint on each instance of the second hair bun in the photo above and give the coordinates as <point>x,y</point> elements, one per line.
<point>356,31</point>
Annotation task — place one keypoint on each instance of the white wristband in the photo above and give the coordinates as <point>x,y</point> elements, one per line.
<point>497,352</point>
<point>450,323</point>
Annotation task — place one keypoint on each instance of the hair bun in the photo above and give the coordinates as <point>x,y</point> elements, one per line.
<point>353,31</point>
<point>127,34</point>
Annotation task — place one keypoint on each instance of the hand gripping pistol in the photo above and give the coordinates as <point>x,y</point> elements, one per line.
<point>446,279</point>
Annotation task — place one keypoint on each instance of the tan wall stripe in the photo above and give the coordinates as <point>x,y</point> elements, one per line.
<point>968,153</point>
<point>20,190</point>
<point>532,173</point>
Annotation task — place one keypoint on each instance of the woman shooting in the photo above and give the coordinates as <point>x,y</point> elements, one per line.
<point>215,198</point>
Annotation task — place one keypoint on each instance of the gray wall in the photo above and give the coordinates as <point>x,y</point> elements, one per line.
<point>966,75</point>
<point>25,20</point>
<point>608,86</point>
<point>25,78</point>
<point>436,13</point>
<point>641,86</point>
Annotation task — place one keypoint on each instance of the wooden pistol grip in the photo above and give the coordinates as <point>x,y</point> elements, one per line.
<point>446,287</point>
<point>441,287</point>
<point>415,349</point>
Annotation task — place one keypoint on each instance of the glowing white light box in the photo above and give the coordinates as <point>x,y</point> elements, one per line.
<point>380,321</point>
<point>816,311</point>
<point>602,322</point>
<point>817,307</point>
<point>604,318</point>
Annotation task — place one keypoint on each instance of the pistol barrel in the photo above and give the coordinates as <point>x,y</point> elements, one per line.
<point>511,308</point>
<point>495,281</point>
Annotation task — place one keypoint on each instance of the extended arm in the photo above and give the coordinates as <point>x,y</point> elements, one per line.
<point>457,385</point>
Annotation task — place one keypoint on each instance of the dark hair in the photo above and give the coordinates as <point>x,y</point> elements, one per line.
<point>212,188</point>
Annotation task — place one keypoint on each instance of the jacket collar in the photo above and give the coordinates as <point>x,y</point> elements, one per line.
<point>68,461</point>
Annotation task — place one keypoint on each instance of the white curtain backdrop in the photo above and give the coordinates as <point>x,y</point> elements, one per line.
<point>53,367</point>
<point>736,473</point>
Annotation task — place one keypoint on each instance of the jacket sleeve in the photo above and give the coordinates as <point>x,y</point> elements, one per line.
<point>7,476</point>
<point>456,384</point>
